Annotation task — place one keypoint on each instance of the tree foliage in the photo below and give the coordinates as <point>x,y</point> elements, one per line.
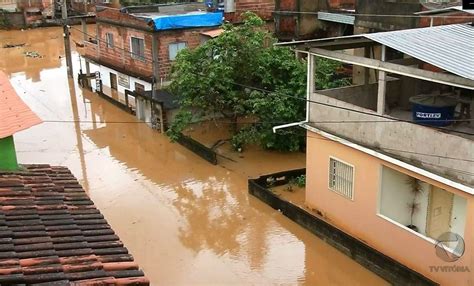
<point>242,74</point>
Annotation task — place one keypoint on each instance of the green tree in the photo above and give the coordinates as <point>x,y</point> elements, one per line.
<point>242,74</point>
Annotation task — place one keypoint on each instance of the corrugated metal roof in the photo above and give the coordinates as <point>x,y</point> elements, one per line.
<point>337,17</point>
<point>449,47</point>
<point>15,115</point>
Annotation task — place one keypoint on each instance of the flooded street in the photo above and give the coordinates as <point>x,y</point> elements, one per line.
<point>186,221</point>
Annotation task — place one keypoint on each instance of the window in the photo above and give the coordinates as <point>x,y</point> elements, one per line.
<point>174,49</point>
<point>341,178</point>
<point>113,81</point>
<point>138,48</point>
<point>109,40</point>
<point>139,88</point>
<point>424,208</point>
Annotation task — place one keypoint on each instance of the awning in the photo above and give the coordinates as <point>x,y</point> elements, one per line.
<point>213,33</point>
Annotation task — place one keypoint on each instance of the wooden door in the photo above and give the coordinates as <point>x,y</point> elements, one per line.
<point>113,81</point>
<point>440,206</point>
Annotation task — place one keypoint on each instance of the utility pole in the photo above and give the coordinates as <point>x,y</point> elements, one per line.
<point>67,43</point>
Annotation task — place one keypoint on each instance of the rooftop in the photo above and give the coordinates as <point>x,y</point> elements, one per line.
<point>52,234</point>
<point>15,115</point>
<point>450,47</point>
<point>176,16</point>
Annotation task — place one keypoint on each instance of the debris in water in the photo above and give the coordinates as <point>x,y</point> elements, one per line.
<point>32,54</point>
<point>8,46</point>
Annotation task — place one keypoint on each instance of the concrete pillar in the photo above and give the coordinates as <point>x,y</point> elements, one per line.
<point>310,83</point>
<point>88,67</point>
<point>382,86</point>
<point>8,154</point>
<point>156,69</point>
<point>366,70</point>
<point>84,29</point>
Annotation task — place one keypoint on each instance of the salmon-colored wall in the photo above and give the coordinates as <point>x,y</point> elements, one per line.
<point>360,218</point>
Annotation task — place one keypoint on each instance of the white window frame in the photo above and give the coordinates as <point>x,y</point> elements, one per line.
<point>133,55</point>
<point>336,191</point>
<point>178,50</point>
<point>109,40</point>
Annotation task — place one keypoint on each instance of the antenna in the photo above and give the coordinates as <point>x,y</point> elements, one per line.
<point>440,4</point>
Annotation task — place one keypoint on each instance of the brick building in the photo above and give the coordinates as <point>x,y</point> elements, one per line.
<point>233,9</point>
<point>306,19</point>
<point>135,47</point>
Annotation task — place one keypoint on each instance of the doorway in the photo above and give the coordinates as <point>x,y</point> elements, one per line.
<point>113,81</point>
<point>440,207</point>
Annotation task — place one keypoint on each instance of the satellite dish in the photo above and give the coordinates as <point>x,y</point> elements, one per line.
<point>440,4</point>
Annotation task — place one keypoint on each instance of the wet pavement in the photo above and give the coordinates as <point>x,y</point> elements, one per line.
<point>186,221</point>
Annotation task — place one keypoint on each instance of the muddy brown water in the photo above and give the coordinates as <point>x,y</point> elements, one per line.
<point>185,221</point>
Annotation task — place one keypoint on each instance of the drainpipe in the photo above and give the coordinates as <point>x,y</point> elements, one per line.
<point>309,91</point>
<point>8,159</point>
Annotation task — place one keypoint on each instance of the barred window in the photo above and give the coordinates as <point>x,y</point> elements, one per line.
<point>109,40</point>
<point>341,178</point>
<point>138,48</point>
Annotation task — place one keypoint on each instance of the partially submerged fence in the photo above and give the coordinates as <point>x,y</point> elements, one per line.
<point>198,148</point>
<point>377,262</point>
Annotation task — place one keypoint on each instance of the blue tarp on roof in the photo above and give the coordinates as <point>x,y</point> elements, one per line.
<point>189,20</point>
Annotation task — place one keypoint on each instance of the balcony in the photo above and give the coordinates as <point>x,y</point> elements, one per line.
<point>408,101</point>
<point>351,112</point>
<point>90,50</point>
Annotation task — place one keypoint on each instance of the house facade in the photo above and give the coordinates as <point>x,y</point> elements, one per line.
<point>385,164</point>
<point>135,48</point>
<point>28,12</point>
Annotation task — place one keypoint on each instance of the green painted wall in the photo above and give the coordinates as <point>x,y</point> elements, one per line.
<point>8,154</point>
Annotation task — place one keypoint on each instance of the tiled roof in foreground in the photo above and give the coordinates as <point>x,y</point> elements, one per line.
<point>52,234</point>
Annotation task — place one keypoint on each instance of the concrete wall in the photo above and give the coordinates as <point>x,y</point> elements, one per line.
<point>14,19</point>
<point>423,146</point>
<point>364,95</point>
<point>397,7</point>
<point>359,217</point>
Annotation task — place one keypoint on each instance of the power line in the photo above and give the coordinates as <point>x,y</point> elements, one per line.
<point>287,12</point>
<point>346,12</point>
<point>350,109</point>
<point>423,162</point>
<point>251,123</point>
<point>104,41</point>
<point>316,102</point>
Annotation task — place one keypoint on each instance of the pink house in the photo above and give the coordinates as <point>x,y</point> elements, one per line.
<point>391,161</point>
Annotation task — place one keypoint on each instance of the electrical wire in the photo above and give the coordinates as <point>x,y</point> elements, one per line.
<point>348,12</point>
<point>390,119</point>
<point>422,162</point>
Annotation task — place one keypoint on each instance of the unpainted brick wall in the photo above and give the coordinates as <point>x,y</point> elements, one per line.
<point>453,18</point>
<point>263,8</point>
<point>120,54</point>
<point>191,37</point>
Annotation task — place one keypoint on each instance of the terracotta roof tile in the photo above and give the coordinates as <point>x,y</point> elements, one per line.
<point>15,115</point>
<point>52,234</point>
